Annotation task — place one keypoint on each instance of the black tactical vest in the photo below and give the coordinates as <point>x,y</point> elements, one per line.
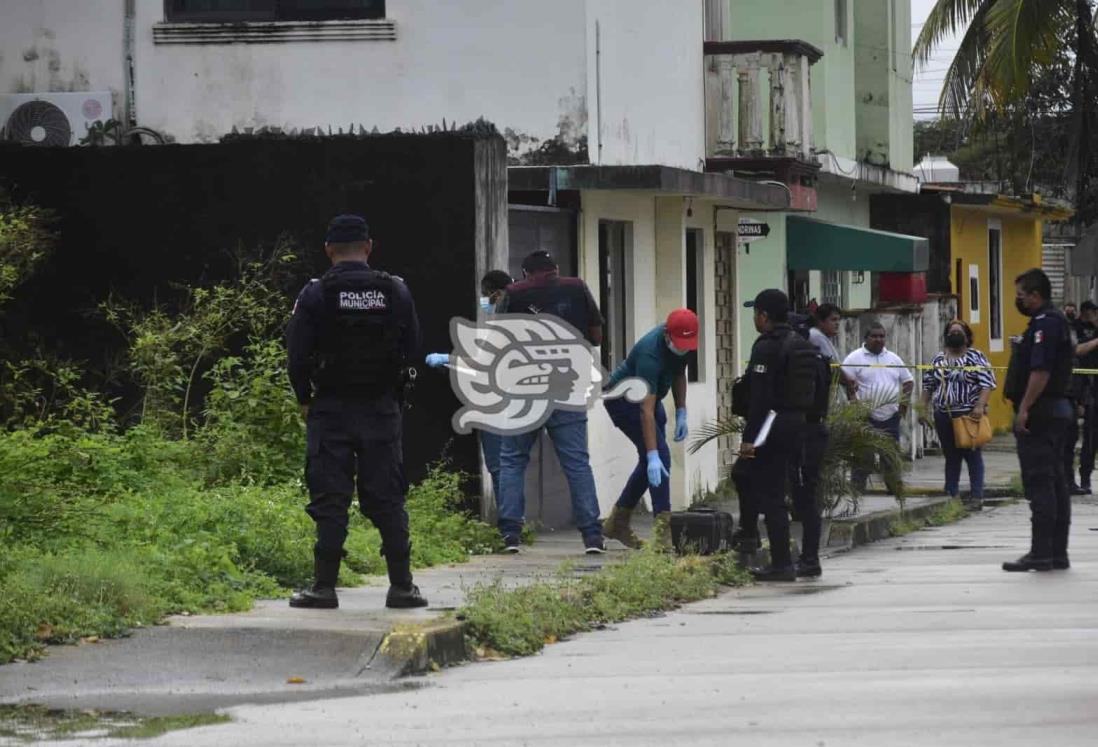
<point>1059,382</point>
<point>360,338</point>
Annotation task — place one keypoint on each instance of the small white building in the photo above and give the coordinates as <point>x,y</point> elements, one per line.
<point>602,102</point>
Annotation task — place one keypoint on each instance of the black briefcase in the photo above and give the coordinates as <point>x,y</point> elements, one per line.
<point>703,531</point>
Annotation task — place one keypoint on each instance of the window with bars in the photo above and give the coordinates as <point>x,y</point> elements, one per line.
<point>831,289</point>
<point>233,11</point>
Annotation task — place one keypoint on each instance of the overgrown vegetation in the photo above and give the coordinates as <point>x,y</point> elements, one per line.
<point>33,724</point>
<point>106,525</point>
<point>947,513</point>
<point>520,621</point>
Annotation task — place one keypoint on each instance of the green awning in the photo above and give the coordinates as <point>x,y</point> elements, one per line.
<point>818,245</point>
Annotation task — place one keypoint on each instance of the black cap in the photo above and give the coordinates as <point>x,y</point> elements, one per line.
<point>537,261</point>
<point>345,229</point>
<point>771,300</point>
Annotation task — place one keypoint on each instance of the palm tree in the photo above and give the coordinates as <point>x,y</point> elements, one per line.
<point>1005,44</point>
<point>852,444</point>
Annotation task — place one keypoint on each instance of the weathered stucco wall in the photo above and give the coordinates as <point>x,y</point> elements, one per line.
<point>648,80</point>
<point>59,45</point>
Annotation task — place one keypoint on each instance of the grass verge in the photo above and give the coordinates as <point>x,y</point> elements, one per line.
<point>31,724</point>
<point>521,621</point>
<point>947,513</point>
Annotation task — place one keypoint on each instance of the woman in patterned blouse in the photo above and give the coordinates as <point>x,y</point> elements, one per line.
<point>957,392</point>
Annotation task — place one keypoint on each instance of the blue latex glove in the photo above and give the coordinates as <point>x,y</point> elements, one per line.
<point>656,470</point>
<point>681,430</point>
<point>437,360</point>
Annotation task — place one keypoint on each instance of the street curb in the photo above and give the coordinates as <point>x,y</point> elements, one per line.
<point>848,534</point>
<point>418,648</point>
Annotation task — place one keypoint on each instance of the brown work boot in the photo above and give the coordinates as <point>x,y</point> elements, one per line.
<point>661,533</point>
<point>616,526</point>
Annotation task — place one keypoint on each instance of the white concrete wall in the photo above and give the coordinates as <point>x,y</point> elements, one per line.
<point>521,65</point>
<point>649,76</point>
<point>528,66</point>
<point>613,457</point>
<point>59,45</point>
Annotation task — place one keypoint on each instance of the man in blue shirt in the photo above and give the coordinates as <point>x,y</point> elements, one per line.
<point>659,358</point>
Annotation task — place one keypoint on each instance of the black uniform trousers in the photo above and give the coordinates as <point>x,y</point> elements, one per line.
<point>1043,478</point>
<point>356,443</point>
<point>1090,443</point>
<point>761,482</point>
<point>805,484</point>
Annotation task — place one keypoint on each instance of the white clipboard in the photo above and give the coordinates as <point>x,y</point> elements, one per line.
<point>764,431</point>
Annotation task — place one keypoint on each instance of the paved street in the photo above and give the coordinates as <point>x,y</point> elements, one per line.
<point>919,640</point>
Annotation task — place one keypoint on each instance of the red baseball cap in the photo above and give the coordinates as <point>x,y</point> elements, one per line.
<point>682,328</point>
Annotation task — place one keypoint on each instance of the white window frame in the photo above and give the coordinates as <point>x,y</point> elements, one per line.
<point>995,344</point>
<point>973,294</point>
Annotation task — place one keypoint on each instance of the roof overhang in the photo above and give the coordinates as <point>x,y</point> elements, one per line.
<point>666,180</point>
<point>848,169</point>
<point>1002,204</point>
<point>812,244</point>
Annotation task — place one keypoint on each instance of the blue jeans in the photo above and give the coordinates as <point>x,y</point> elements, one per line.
<point>490,444</point>
<point>974,458</point>
<point>568,431</point>
<point>626,416</point>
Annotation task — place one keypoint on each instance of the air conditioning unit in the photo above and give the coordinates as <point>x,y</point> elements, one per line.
<point>51,119</point>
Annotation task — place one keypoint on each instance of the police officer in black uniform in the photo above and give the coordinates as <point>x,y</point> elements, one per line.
<point>1086,334</point>
<point>1037,383</point>
<point>349,339</point>
<point>759,473</point>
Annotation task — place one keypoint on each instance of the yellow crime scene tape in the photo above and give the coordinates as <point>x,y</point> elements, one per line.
<point>931,367</point>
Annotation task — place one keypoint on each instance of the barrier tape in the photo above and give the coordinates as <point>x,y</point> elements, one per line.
<point>931,367</point>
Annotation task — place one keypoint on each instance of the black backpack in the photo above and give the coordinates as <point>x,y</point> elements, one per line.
<point>804,369</point>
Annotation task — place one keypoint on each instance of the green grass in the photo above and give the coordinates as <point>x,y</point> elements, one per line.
<point>31,724</point>
<point>947,513</point>
<point>102,533</point>
<point>520,621</point>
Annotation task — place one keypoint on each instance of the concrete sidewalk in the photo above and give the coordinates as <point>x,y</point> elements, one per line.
<point>915,641</point>
<point>200,663</point>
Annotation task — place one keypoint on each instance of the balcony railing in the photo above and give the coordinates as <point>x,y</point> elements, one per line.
<point>758,99</point>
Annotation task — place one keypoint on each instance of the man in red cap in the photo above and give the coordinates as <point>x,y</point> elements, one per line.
<point>659,358</point>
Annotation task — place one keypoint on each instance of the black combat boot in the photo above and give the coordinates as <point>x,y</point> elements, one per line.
<point>1039,557</point>
<point>323,594</point>
<point>781,566</point>
<point>403,594</point>
<point>809,568</point>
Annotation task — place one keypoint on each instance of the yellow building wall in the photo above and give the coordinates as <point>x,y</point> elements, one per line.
<point>1021,250</point>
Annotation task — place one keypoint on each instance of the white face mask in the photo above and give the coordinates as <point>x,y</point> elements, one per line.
<point>675,350</point>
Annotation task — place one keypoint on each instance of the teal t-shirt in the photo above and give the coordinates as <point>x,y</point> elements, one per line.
<point>651,360</point>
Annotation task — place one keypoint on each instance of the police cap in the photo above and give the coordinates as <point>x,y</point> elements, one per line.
<point>346,229</point>
<point>772,301</point>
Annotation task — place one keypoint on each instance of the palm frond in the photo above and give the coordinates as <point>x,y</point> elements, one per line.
<point>1023,35</point>
<point>945,19</point>
<point>963,88</point>
<point>711,431</point>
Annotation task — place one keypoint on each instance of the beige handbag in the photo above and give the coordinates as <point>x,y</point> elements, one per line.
<point>969,433</point>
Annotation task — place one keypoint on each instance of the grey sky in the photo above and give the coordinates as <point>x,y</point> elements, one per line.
<point>927,85</point>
